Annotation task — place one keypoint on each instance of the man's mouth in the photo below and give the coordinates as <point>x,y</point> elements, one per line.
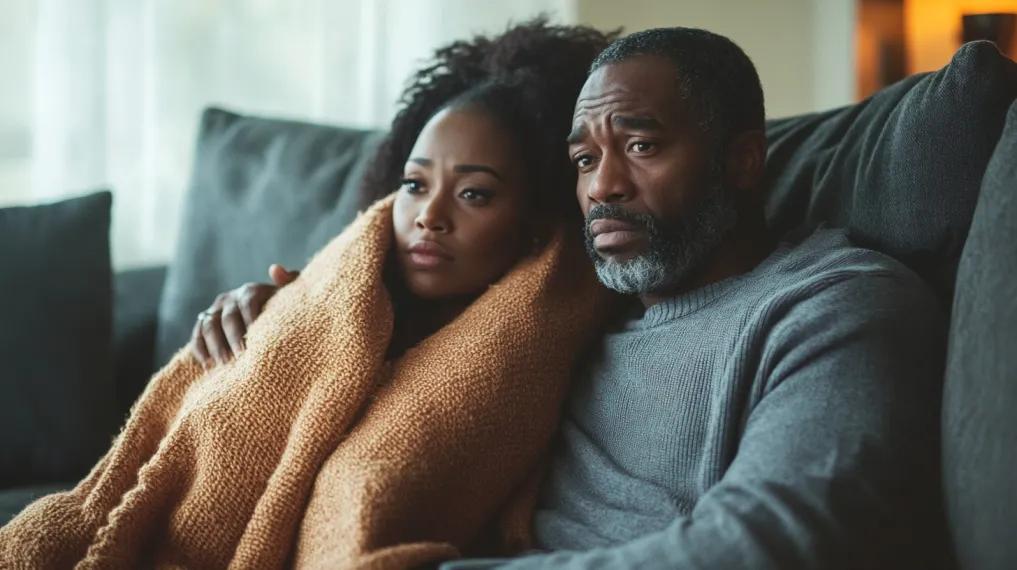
<point>612,236</point>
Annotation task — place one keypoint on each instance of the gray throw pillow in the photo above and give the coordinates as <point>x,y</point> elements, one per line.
<point>980,396</point>
<point>262,191</point>
<point>902,169</point>
<point>56,390</point>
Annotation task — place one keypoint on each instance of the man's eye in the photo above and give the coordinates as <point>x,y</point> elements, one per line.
<point>583,161</point>
<point>641,146</point>
<point>475,195</point>
<point>410,185</point>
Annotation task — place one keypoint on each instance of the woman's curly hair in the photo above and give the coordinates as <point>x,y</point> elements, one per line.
<point>527,78</point>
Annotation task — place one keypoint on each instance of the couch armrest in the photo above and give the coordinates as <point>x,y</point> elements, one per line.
<point>136,296</point>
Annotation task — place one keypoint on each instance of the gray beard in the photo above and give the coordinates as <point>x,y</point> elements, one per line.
<point>673,253</point>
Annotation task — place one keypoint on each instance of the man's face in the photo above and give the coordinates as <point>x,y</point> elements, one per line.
<point>649,184</point>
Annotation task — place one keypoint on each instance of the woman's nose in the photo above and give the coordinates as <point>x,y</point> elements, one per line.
<point>433,215</point>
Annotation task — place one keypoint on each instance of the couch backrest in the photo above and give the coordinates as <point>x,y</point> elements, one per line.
<point>980,396</point>
<point>902,169</point>
<point>262,191</point>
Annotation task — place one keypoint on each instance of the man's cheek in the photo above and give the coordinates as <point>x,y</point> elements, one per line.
<point>584,201</point>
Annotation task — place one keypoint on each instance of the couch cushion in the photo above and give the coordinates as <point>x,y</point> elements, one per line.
<point>901,170</point>
<point>136,294</point>
<point>56,391</point>
<point>263,191</point>
<point>12,501</point>
<point>980,397</point>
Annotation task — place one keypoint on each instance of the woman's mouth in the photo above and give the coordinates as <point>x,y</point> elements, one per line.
<point>427,254</point>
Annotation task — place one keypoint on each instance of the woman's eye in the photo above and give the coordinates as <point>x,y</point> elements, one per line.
<point>410,185</point>
<point>641,146</point>
<point>475,195</point>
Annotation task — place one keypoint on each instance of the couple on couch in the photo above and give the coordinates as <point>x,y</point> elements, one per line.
<point>450,378</point>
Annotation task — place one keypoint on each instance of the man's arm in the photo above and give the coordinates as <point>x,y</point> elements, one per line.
<point>838,458</point>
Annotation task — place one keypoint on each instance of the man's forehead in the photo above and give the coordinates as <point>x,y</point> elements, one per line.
<point>641,81</point>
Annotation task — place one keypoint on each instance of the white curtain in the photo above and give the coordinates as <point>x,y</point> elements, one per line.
<point>111,90</point>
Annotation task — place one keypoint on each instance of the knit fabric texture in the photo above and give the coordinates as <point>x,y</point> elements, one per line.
<point>310,450</point>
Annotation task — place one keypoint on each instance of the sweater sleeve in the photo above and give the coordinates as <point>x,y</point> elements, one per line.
<point>835,463</point>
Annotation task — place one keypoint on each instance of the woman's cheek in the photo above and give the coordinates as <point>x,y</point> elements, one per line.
<point>402,220</point>
<point>497,247</point>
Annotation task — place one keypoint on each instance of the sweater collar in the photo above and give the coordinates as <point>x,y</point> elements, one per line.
<point>687,303</point>
<point>684,304</point>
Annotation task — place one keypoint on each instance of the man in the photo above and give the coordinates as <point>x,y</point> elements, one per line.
<point>771,405</point>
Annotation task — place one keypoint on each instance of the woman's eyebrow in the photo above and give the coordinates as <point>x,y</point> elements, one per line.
<point>467,168</point>
<point>420,161</point>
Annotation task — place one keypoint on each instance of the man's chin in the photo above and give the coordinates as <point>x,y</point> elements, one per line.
<point>614,256</point>
<point>629,276</point>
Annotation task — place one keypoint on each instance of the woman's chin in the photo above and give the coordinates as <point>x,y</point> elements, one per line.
<point>433,288</point>
<point>444,285</point>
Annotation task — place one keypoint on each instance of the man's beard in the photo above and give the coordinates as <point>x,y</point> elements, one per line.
<point>673,252</point>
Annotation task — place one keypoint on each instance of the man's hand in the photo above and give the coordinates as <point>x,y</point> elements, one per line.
<point>219,332</point>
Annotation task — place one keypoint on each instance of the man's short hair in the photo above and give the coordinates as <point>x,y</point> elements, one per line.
<point>714,75</point>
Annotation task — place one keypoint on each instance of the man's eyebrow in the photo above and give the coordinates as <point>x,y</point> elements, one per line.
<point>578,133</point>
<point>467,168</point>
<point>420,161</point>
<point>637,123</point>
<point>634,123</point>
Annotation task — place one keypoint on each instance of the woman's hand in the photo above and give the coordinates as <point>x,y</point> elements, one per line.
<point>218,334</point>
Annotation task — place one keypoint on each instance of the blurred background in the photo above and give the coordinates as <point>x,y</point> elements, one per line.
<point>107,93</point>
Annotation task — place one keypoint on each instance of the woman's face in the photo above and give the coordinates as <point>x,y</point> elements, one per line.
<point>459,212</point>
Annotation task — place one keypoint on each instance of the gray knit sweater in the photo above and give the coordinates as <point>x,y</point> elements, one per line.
<point>784,418</point>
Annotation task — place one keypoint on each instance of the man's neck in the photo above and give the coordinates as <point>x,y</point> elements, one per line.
<point>741,252</point>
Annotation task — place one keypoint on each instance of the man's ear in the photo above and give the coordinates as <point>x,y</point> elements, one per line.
<point>746,160</point>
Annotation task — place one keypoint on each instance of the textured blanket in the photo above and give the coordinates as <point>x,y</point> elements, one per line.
<point>310,450</point>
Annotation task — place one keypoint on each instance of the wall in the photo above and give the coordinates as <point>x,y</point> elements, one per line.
<point>879,45</point>
<point>801,48</point>
<point>414,28</point>
<point>933,28</point>
<point>15,101</point>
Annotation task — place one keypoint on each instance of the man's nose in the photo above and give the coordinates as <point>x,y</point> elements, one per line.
<point>610,183</point>
<point>433,214</point>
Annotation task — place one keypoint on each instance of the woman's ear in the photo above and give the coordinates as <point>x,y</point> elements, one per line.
<point>746,160</point>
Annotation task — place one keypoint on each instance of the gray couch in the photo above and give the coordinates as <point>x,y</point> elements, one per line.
<point>908,171</point>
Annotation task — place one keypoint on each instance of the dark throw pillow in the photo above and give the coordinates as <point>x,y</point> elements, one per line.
<point>262,191</point>
<point>980,396</point>
<point>902,169</point>
<point>56,390</point>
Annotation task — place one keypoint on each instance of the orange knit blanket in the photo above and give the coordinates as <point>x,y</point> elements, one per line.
<point>310,450</point>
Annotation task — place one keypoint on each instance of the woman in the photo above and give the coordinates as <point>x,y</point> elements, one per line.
<point>394,401</point>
